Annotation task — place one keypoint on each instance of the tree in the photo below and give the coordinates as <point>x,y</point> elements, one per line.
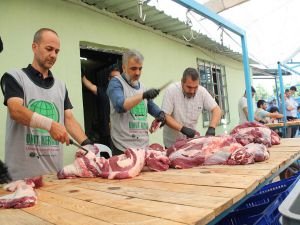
<point>261,93</point>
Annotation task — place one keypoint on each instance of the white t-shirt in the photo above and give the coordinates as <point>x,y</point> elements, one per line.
<point>242,104</point>
<point>184,110</point>
<point>291,102</point>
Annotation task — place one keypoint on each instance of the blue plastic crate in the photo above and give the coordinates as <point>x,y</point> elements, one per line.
<point>244,217</point>
<point>271,215</point>
<point>258,209</point>
<point>267,194</point>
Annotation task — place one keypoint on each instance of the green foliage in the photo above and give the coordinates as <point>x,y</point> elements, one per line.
<point>261,93</point>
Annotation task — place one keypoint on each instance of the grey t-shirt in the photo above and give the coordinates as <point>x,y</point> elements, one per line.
<point>30,151</point>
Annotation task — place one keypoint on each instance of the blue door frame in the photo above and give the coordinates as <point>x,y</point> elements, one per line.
<point>203,11</point>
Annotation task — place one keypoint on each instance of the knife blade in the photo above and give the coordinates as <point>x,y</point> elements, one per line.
<point>79,146</point>
<point>165,85</point>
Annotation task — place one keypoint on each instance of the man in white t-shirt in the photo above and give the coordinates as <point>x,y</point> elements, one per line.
<point>243,107</point>
<point>183,103</point>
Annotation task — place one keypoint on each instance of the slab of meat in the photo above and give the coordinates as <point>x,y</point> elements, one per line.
<point>249,154</point>
<point>156,158</point>
<point>127,165</point>
<point>154,126</point>
<point>24,194</point>
<point>204,150</point>
<point>122,166</point>
<point>253,132</point>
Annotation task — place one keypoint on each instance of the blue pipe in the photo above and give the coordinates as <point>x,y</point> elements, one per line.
<point>207,13</point>
<point>283,110</point>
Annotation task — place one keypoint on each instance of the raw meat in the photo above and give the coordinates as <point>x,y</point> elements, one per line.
<point>252,132</point>
<point>122,166</point>
<point>156,159</point>
<point>249,154</point>
<point>24,194</point>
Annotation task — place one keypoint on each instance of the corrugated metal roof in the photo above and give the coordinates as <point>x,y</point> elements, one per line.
<point>158,20</point>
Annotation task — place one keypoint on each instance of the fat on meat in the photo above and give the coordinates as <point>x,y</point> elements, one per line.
<point>253,132</point>
<point>123,166</point>
<point>23,194</point>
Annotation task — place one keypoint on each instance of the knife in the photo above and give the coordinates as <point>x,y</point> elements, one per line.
<point>165,85</point>
<point>79,146</point>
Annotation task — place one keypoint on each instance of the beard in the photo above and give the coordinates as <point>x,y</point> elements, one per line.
<point>188,95</point>
<point>133,83</point>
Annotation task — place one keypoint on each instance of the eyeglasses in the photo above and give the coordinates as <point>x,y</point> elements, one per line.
<point>135,68</point>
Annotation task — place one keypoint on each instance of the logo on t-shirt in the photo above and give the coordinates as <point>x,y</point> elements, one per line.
<point>44,108</point>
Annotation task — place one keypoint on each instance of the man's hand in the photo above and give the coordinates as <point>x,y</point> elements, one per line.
<point>59,133</point>
<point>158,122</point>
<point>150,94</point>
<point>190,133</point>
<point>211,131</point>
<point>161,118</point>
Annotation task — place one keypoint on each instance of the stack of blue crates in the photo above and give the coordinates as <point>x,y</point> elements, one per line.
<point>262,207</point>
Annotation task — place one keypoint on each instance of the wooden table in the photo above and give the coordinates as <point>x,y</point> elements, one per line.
<point>280,125</point>
<point>191,196</point>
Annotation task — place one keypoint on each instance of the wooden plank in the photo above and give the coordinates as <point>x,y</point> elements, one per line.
<point>216,180</point>
<point>229,170</point>
<point>289,142</point>
<point>57,215</point>
<point>104,213</point>
<point>168,211</point>
<point>218,204</point>
<point>19,217</point>
<point>235,194</point>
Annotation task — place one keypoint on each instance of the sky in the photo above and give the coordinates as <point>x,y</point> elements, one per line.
<point>272,29</point>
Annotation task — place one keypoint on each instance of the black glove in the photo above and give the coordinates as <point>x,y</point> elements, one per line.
<point>87,142</point>
<point>190,133</point>
<point>150,94</point>
<point>161,118</point>
<point>211,131</point>
<point>4,175</point>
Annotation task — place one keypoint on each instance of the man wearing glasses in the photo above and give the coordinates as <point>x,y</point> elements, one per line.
<point>130,102</point>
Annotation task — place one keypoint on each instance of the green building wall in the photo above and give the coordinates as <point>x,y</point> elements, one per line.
<point>165,58</point>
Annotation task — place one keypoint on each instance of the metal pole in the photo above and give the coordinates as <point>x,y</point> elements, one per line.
<point>283,110</point>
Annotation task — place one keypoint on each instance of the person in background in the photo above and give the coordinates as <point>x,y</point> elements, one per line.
<point>130,103</point>
<point>183,103</point>
<point>39,118</point>
<point>103,106</point>
<point>243,107</point>
<point>264,116</point>
<point>298,112</point>
<point>291,109</point>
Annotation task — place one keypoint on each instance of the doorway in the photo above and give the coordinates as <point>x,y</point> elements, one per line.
<point>96,66</point>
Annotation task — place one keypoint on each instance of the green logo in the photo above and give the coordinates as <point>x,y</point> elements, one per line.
<point>44,108</point>
<point>139,112</point>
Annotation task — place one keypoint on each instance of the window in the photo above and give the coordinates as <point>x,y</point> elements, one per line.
<point>213,78</point>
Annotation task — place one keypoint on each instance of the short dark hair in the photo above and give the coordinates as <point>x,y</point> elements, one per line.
<point>260,102</point>
<point>252,90</point>
<point>38,35</point>
<point>190,72</point>
<point>114,67</point>
<point>298,107</point>
<point>286,90</point>
<point>293,88</point>
<point>273,109</point>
